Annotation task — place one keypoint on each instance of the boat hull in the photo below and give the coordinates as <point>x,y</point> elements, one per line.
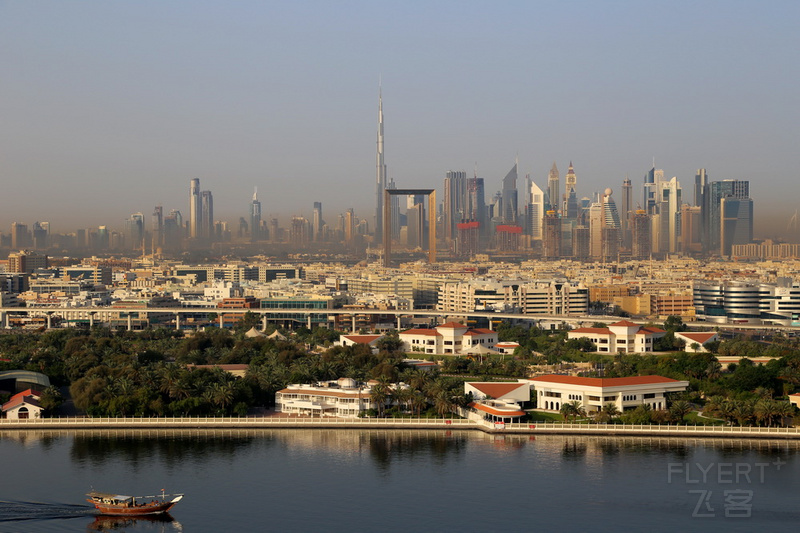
<point>138,510</point>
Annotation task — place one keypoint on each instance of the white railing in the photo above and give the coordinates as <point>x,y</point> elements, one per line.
<point>389,423</point>
<point>212,421</point>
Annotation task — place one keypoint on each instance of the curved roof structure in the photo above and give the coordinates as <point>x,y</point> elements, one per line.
<point>27,376</point>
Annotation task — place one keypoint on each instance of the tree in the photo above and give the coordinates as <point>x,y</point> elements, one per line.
<point>680,409</point>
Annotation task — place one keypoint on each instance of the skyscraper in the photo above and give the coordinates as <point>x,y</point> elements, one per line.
<point>535,211</point>
<point>700,181</point>
<point>380,178</point>
<point>207,215</point>
<point>157,239</point>
<point>316,222</point>
<point>553,188</point>
<point>510,203</point>
<point>640,235</point>
<point>625,214</point>
<point>713,194</point>
<point>194,208</point>
<point>454,202</point>
<point>736,223</point>
<point>570,180</point>
<point>255,218</point>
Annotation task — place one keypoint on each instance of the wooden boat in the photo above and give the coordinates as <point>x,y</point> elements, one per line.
<point>121,505</point>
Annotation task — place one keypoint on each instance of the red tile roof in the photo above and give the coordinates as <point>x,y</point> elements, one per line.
<point>18,400</point>
<point>421,331</point>
<point>603,382</point>
<point>497,390</point>
<point>649,330</point>
<point>699,337</point>
<point>602,331</point>
<point>362,339</point>
<point>452,325</point>
<point>625,323</point>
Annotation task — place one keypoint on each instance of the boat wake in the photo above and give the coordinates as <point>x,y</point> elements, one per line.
<point>14,511</point>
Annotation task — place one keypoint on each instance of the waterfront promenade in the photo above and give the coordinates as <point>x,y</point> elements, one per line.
<point>276,422</point>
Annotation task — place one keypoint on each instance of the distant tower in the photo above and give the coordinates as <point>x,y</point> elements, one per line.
<point>510,203</point>
<point>455,193</point>
<point>536,211</point>
<point>207,215</point>
<point>194,208</point>
<point>316,223</point>
<point>640,235</point>
<point>553,187</point>
<point>255,217</point>
<point>625,214</point>
<point>551,242</point>
<point>570,180</point>
<point>157,239</point>
<point>380,179</point>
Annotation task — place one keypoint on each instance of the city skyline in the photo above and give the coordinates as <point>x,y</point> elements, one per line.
<point>132,120</point>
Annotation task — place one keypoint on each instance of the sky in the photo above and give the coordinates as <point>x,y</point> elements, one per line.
<point>110,108</point>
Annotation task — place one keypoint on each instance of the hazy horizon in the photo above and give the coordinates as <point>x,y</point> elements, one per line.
<point>111,108</point>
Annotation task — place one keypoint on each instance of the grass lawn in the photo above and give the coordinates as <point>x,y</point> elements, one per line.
<point>692,419</point>
<point>536,416</point>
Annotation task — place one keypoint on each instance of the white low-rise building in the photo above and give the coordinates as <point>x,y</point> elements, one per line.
<point>696,342</point>
<point>623,336</point>
<point>553,391</point>
<point>448,339</point>
<point>344,397</point>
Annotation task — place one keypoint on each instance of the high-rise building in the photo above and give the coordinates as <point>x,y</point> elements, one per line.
<point>207,216</point>
<point>691,229</point>
<point>134,231</point>
<point>581,242</point>
<point>454,202</point>
<point>570,180</point>
<point>380,178</point>
<point>551,242</point>
<point>535,211</point>
<point>553,188</point>
<point>255,218</point>
<point>669,195</point>
<point>713,194</point>
<point>20,238</point>
<point>316,223</point>
<point>700,182</point>
<point>476,209</point>
<point>194,209</point>
<point>625,214</point>
<point>736,223</point>
<point>349,227</point>
<point>640,235</point>
<point>510,207</point>
<point>299,232</point>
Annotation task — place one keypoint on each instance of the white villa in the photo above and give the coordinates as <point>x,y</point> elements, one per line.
<point>344,397</point>
<point>700,339</point>
<point>553,391</point>
<point>23,405</point>
<point>623,336</point>
<point>449,339</point>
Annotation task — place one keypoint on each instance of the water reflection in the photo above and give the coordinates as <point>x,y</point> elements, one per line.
<point>162,522</point>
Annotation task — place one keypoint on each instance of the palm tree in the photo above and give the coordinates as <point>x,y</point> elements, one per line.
<point>568,410</point>
<point>379,394</point>
<point>742,411</point>
<point>222,394</point>
<point>765,411</point>
<point>607,413</point>
<point>418,401</point>
<point>680,409</point>
<point>785,412</point>
<point>443,403</point>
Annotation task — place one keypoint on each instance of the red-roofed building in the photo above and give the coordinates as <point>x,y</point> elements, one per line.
<point>352,340</point>
<point>623,336</point>
<point>497,410</point>
<point>23,405</point>
<point>553,391</point>
<point>699,339</point>
<point>515,392</point>
<point>448,339</point>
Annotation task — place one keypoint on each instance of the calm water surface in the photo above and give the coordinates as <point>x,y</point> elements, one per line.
<point>360,480</point>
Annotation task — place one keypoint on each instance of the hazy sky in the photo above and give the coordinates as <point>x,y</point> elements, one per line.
<point>109,108</point>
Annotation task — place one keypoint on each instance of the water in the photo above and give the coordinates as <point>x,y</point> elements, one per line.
<point>361,480</point>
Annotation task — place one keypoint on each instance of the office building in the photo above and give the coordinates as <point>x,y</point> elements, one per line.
<point>553,188</point>
<point>255,218</point>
